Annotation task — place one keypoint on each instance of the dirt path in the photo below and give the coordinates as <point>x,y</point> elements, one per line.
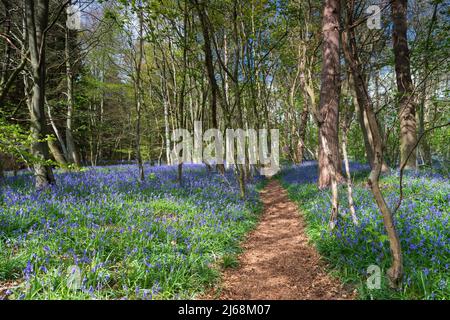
<point>278,262</point>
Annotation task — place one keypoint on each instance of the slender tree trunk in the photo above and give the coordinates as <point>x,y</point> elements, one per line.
<point>57,148</point>
<point>56,152</point>
<point>2,173</point>
<point>56,130</point>
<point>292,121</point>
<point>36,22</point>
<point>167,132</point>
<point>367,135</point>
<point>92,135</point>
<point>308,101</point>
<point>99,144</point>
<point>237,93</point>
<point>351,204</point>
<point>161,151</point>
<point>166,123</point>
<point>396,270</point>
<point>209,64</point>
<point>329,95</point>
<point>360,92</point>
<point>424,145</point>
<point>182,99</point>
<point>72,152</point>
<point>225,76</point>
<point>139,94</point>
<point>407,109</point>
<point>302,133</point>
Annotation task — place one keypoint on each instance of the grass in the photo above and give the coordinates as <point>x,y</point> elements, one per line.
<point>99,234</point>
<point>422,222</point>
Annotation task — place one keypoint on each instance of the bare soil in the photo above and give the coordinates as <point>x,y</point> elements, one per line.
<point>277,261</point>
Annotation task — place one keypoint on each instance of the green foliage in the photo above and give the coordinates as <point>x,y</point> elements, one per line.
<point>14,140</point>
<point>230,261</point>
<point>422,222</point>
<point>17,142</point>
<point>147,241</point>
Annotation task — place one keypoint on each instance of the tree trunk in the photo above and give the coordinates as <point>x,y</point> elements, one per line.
<point>424,145</point>
<point>36,22</point>
<point>139,94</point>
<point>360,90</point>
<point>237,93</point>
<point>2,174</point>
<point>334,185</point>
<point>407,110</point>
<point>302,134</point>
<point>181,117</point>
<point>9,73</point>
<point>56,152</point>
<point>329,95</point>
<point>367,135</point>
<point>166,123</point>
<point>209,64</point>
<point>351,204</point>
<point>396,270</point>
<point>72,152</point>
<point>57,132</point>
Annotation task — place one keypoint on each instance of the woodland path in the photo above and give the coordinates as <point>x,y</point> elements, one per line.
<point>277,262</point>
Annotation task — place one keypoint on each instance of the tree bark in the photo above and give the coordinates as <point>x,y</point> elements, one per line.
<point>334,185</point>
<point>360,90</point>
<point>351,204</point>
<point>139,93</point>
<point>56,131</point>
<point>36,23</point>
<point>302,131</point>
<point>56,152</point>
<point>329,95</point>
<point>182,99</point>
<point>237,92</point>
<point>407,109</point>
<point>72,152</point>
<point>209,64</point>
<point>396,271</point>
<point>424,145</point>
<point>165,97</point>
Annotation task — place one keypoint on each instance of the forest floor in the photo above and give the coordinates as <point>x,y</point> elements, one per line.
<point>277,261</point>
